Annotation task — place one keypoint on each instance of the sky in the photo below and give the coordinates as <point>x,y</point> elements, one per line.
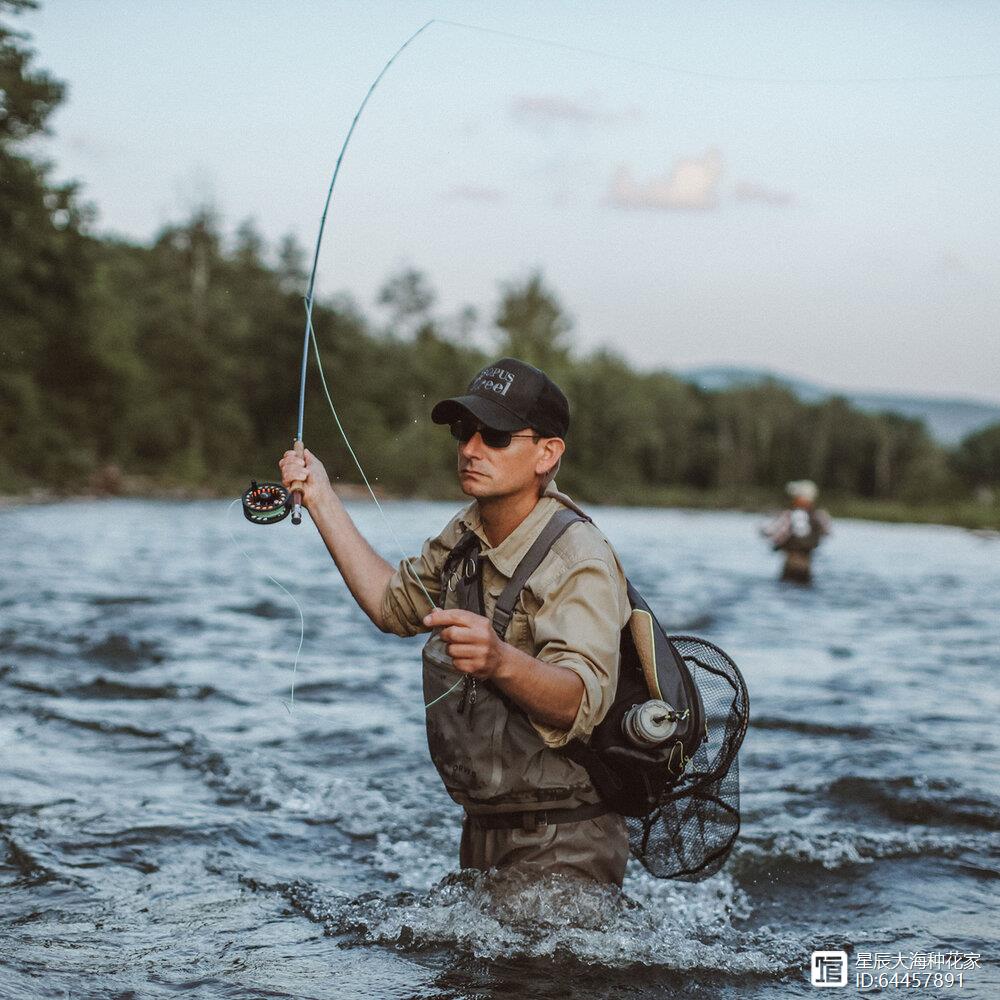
<point>809,188</point>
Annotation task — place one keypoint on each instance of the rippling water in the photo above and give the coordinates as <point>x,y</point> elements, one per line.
<point>168,825</point>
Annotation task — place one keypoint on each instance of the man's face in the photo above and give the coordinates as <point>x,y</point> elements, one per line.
<point>486,473</point>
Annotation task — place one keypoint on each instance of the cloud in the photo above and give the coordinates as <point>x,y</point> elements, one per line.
<point>691,183</point>
<point>469,192</point>
<point>752,191</point>
<point>551,109</point>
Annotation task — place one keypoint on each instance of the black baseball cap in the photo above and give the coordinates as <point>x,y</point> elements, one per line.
<point>509,395</point>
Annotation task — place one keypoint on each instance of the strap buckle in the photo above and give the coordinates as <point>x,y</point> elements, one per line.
<point>501,621</point>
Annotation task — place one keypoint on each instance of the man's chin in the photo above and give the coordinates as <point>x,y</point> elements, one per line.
<point>474,485</point>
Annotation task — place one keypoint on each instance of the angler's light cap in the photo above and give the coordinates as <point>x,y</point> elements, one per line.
<point>510,395</point>
<point>802,489</point>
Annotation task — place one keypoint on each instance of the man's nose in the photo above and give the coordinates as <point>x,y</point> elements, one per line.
<point>472,448</point>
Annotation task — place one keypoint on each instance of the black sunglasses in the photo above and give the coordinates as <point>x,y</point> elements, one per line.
<point>464,430</point>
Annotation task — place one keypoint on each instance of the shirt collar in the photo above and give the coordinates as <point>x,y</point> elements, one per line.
<point>506,556</point>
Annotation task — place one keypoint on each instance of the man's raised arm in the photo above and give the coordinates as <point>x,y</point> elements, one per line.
<point>364,571</point>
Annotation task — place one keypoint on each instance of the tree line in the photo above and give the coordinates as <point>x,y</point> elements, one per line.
<point>177,363</point>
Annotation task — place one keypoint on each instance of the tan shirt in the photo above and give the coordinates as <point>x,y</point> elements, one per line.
<point>571,611</point>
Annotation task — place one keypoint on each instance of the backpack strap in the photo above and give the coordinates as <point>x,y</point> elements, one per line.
<point>558,523</point>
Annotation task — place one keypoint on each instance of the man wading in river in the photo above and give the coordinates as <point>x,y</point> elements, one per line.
<point>513,701</point>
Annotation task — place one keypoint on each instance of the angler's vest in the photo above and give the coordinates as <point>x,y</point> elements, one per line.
<point>489,755</point>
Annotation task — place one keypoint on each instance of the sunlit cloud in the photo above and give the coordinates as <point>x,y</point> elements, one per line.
<point>691,183</point>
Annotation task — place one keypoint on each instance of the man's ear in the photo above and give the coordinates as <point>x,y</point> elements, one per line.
<point>552,451</point>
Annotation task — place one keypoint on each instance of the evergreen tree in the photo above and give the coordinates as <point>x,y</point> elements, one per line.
<point>533,326</point>
<point>977,458</point>
<point>49,372</point>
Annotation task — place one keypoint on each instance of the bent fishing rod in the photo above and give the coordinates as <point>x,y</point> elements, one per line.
<point>268,503</point>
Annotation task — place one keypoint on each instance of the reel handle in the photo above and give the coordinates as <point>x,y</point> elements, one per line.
<point>297,487</point>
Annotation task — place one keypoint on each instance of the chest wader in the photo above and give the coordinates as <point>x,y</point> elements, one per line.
<point>490,757</point>
<point>804,537</point>
<point>664,757</point>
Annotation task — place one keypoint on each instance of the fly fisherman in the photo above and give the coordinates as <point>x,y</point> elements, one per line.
<point>798,530</point>
<point>500,708</point>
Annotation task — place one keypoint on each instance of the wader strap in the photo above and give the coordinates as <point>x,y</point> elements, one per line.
<point>532,819</point>
<point>558,523</point>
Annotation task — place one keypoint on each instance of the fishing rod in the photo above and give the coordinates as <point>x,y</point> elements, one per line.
<point>269,503</point>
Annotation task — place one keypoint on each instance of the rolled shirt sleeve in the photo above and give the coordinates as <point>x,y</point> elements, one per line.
<point>404,603</point>
<point>578,626</point>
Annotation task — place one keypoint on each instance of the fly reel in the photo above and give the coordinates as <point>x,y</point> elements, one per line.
<point>266,503</point>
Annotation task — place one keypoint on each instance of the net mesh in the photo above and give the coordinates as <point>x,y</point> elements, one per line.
<point>689,835</point>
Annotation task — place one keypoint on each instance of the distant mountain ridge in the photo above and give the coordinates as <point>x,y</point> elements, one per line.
<point>947,420</point>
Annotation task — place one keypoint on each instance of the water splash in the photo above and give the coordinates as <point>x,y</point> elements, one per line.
<point>515,914</point>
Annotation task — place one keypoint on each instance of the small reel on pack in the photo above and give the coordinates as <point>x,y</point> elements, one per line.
<point>266,503</point>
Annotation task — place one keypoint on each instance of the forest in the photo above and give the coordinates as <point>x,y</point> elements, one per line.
<point>172,368</point>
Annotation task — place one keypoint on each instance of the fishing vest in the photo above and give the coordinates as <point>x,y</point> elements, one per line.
<point>489,755</point>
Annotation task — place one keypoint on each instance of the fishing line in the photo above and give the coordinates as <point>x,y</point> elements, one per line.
<point>311,335</point>
<point>290,705</point>
<point>333,409</point>
<point>406,559</point>
<point>720,77</point>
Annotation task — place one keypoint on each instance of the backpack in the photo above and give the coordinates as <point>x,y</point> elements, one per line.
<point>680,799</point>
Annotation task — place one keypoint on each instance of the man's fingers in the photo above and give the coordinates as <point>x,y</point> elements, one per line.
<point>455,633</point>
<point>439,617</point>
<point>460,651</point>
<point>294,466</point>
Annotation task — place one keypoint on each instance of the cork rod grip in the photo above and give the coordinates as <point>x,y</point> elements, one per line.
<point>297,487</point>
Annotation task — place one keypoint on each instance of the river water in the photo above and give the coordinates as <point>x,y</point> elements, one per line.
<point>171,824</point>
